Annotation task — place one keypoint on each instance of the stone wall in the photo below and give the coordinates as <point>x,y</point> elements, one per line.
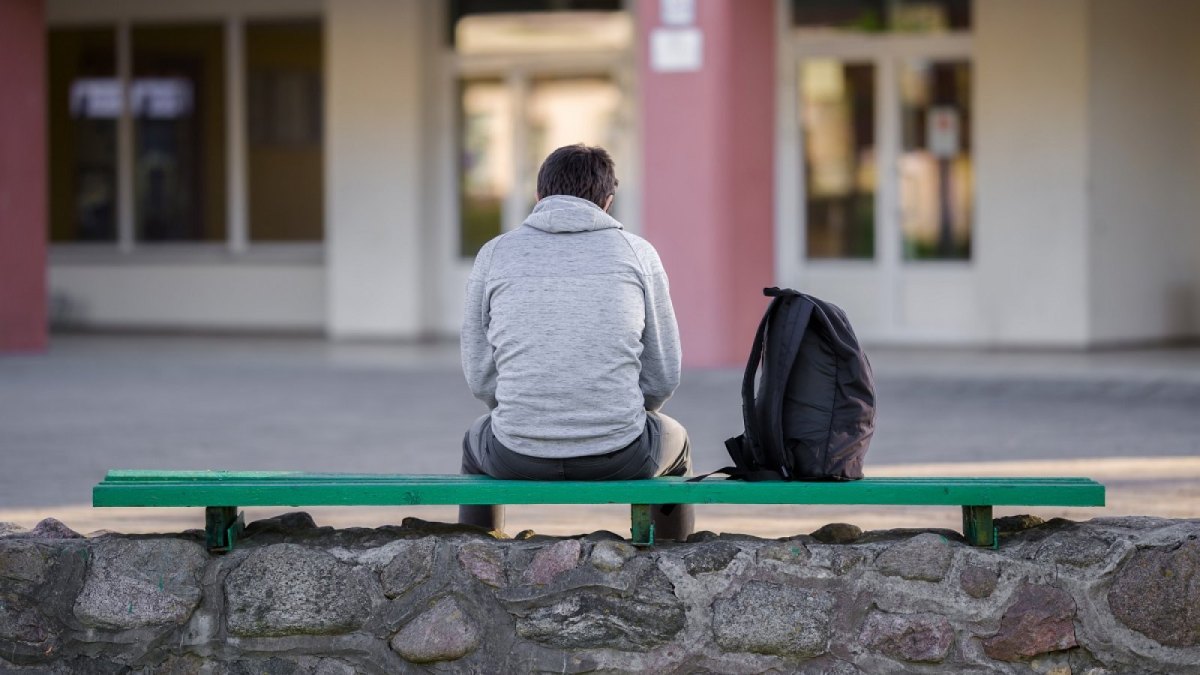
<point>1106,596</point>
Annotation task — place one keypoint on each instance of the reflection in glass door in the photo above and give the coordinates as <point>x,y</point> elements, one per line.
<point>178,102</point>
<point>84,104</point>
<point>837,108</point>
<point>541,114</point>
<point>566,110</point>
<point>875,190</point>
<point>928,151</point>
<point>485,161</point>
<point>936,201</point>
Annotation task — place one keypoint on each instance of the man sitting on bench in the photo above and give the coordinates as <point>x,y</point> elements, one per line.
<point>570,339</point>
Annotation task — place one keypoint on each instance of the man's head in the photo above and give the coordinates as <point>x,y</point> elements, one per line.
<point>579,171</point>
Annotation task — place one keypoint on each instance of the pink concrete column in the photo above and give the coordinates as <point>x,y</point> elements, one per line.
<point>23,218</point>
<point>708,139</point>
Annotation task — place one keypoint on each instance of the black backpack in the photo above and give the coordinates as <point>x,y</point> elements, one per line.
<point>814,413</point>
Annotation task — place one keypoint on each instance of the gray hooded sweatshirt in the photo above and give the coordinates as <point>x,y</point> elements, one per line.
<point>568,333</point>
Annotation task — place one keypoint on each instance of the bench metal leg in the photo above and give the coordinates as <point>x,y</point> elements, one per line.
<point>643,525</point>
<point>222,527</point>
<point>977,526</point>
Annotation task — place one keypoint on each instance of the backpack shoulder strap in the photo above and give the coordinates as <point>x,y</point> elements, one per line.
<point>750,443</point>
<point>734,473</point>
<point>783,345</point>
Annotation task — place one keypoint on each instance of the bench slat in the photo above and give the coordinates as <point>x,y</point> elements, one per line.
<point>149,476</point>
<point>200,488</point>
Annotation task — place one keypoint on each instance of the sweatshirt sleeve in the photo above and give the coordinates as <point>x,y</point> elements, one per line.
<point>478,363</point>
<point>661,354</point>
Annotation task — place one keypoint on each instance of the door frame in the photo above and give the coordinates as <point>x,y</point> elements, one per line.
<point>518,72</point>
<point>792,266</point>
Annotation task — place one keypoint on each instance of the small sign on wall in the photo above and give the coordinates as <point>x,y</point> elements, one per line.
<point>943,132</point>
<point>677,12</point>
<point>676,50</point>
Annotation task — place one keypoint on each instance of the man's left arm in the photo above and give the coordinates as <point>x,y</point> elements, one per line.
<point>661,354</point>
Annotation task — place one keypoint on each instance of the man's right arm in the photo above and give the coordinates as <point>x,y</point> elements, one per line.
<point>661,354</point>
<point>479,365</point>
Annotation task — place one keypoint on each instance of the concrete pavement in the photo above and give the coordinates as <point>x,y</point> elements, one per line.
<point>96,402</point>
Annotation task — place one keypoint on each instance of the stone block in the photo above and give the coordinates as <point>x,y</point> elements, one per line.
<point>483,561</point>
<point>978,582</point>
<point>25,562</point>
<point>444,632</point>
<point>134,583</point>
<point>1073,548</point>
<point>1020,523</point>
<point>925,557</point>
<point>287,589</point>
<point>1040,620</point>
<point>842,561</point>
<point>789,552</point>
<point>50,528</point>
<point>287,523</point>
<point>767,618</point>
<point>595,616</point>
<point>922,638</point>
<point>1157,593</point>
<point>411,566</point>
<point>552,561</point>
<point>837,533</point>
<point>610,556</point>
<point>710,557</point>
<point>26,626</point>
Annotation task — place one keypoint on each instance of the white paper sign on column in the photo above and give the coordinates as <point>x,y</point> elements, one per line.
<point>676,50</point>
<point>677,12</point>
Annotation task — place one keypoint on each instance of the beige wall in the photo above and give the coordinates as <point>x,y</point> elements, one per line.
<point>186,293</point>
<point>1089,170</point>
<point>1032,96</point>
<point>373,167</point>
<point>1144,164</point>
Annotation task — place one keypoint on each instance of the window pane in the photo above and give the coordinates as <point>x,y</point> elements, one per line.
<point>485,165</point>
<point>911,16</point>
<point>178,104</point>
<point>929,16</point>
<point>563,111</point>
<point>837,110</point>
<point>861,15</point>
<point>283,146</point>
<point>85,102</point>
<point>936,196</point>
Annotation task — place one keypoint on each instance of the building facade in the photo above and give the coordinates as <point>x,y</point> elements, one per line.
<point>1010,173</point>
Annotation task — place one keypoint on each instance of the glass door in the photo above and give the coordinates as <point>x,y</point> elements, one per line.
<point>508,126</point>
<point>562,110</point>
<point>878,140</point>
<point>935,170</point>
<point>874,178</point>
<point>517,85</point>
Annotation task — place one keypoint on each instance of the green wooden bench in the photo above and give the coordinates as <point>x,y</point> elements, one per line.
<point>222,492</point>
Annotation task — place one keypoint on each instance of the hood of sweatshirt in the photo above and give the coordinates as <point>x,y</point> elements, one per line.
<point>563,213</point>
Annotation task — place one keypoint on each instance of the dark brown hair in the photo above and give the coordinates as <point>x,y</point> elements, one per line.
<point>580,171</point>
